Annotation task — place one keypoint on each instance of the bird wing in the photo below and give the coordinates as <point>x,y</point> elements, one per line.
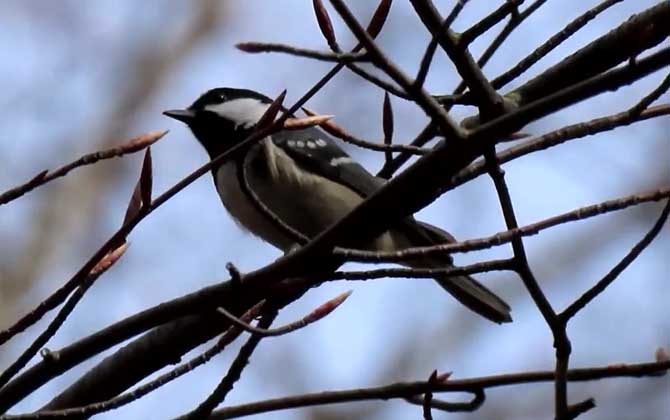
<point>317,152</point>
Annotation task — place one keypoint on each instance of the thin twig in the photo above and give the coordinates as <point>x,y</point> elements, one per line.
<point>429,131</point>
<point>508,7</point>
<point>337,131</point>
<point>553,42</point>
<point>387,127</point>
<point>560,136</point>
<point>644,103</point>
<point>105,264</point>
<point>491,104</point>
<point>427,57</point>
<point>314,316</point>
<point>407,389</point>
<point>134,145</point>
<point>226,385</point>
<point>558,328</point>
<point>453,407</point>
<point>612,275</point>
<point>267,47</point>
<point>506,236</point>
<point>448,127</point>
<point>377,81</point>
<point>99,407</point>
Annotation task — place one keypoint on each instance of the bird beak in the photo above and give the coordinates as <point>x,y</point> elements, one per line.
<point>184,115</point>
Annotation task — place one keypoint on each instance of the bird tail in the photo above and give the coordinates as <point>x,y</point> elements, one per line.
<point>476,297</point>
<point>464,288</point>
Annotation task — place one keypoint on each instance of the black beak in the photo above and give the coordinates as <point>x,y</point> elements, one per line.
<point>184,115</point>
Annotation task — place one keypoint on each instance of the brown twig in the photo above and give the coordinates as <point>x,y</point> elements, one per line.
<point>378,20</point>
<point>314,316</point>
<point>234,372</point>
<point>506,236</point>
<point>453,407</point>
<point>134,145</point>
<point>105,264</point>
<point>475,31</point>
<point>422,98</point>
<point>427,57</point>
<point>560,136</point>
<point>387,127</point>
<point>266,47</point>
<point>612,275</point>
<point>644,103</point>
<point>337,131</point>
<point>99,407</point>
<point>429,130</point>
<point>491,104</point>
<point>561,341</point>
<point>408,389</point>
<point>553,42</point>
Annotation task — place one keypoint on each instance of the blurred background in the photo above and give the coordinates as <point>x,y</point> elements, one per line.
<point>83,76</point>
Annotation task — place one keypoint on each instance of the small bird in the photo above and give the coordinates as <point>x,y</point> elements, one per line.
<point>307,181</point>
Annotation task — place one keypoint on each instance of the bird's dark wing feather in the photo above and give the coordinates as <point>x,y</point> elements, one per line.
<point>314,150</point>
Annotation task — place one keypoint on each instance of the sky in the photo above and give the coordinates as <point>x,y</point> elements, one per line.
<point>79,77</point>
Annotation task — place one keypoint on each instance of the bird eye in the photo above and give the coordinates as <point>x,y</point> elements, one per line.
<point>223,98</point>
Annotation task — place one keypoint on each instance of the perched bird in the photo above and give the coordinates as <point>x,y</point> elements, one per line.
<point>305,179</point>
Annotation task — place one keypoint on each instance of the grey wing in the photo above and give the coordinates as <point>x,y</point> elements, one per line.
<point>319,153</point>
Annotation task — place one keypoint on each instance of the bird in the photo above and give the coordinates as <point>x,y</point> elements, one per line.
<point>305,179</point>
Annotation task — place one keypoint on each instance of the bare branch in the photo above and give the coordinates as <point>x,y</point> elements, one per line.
<point>556,40</point>
<point>427,57</point>
<point>489,101</point>
<point>337,131</point>
<point>317,314</point>
<point>228,337</point>
<point>632,255</point>
<point>644,103</point>
<point>506,236</point>
<point>99,269</point>
<point>134,145</point>
<point>226,385</point>
<point>452,407</point>
<point>408,389</point>
<point>266,47</point>
<point>508,7</point>
<point>562,135</point>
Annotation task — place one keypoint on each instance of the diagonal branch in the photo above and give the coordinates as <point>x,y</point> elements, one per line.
<point>632,255</point>
<point>234,372</point>
<point>134,145</point>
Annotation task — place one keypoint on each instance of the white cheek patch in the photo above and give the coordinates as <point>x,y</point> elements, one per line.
<point>243,112</point>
